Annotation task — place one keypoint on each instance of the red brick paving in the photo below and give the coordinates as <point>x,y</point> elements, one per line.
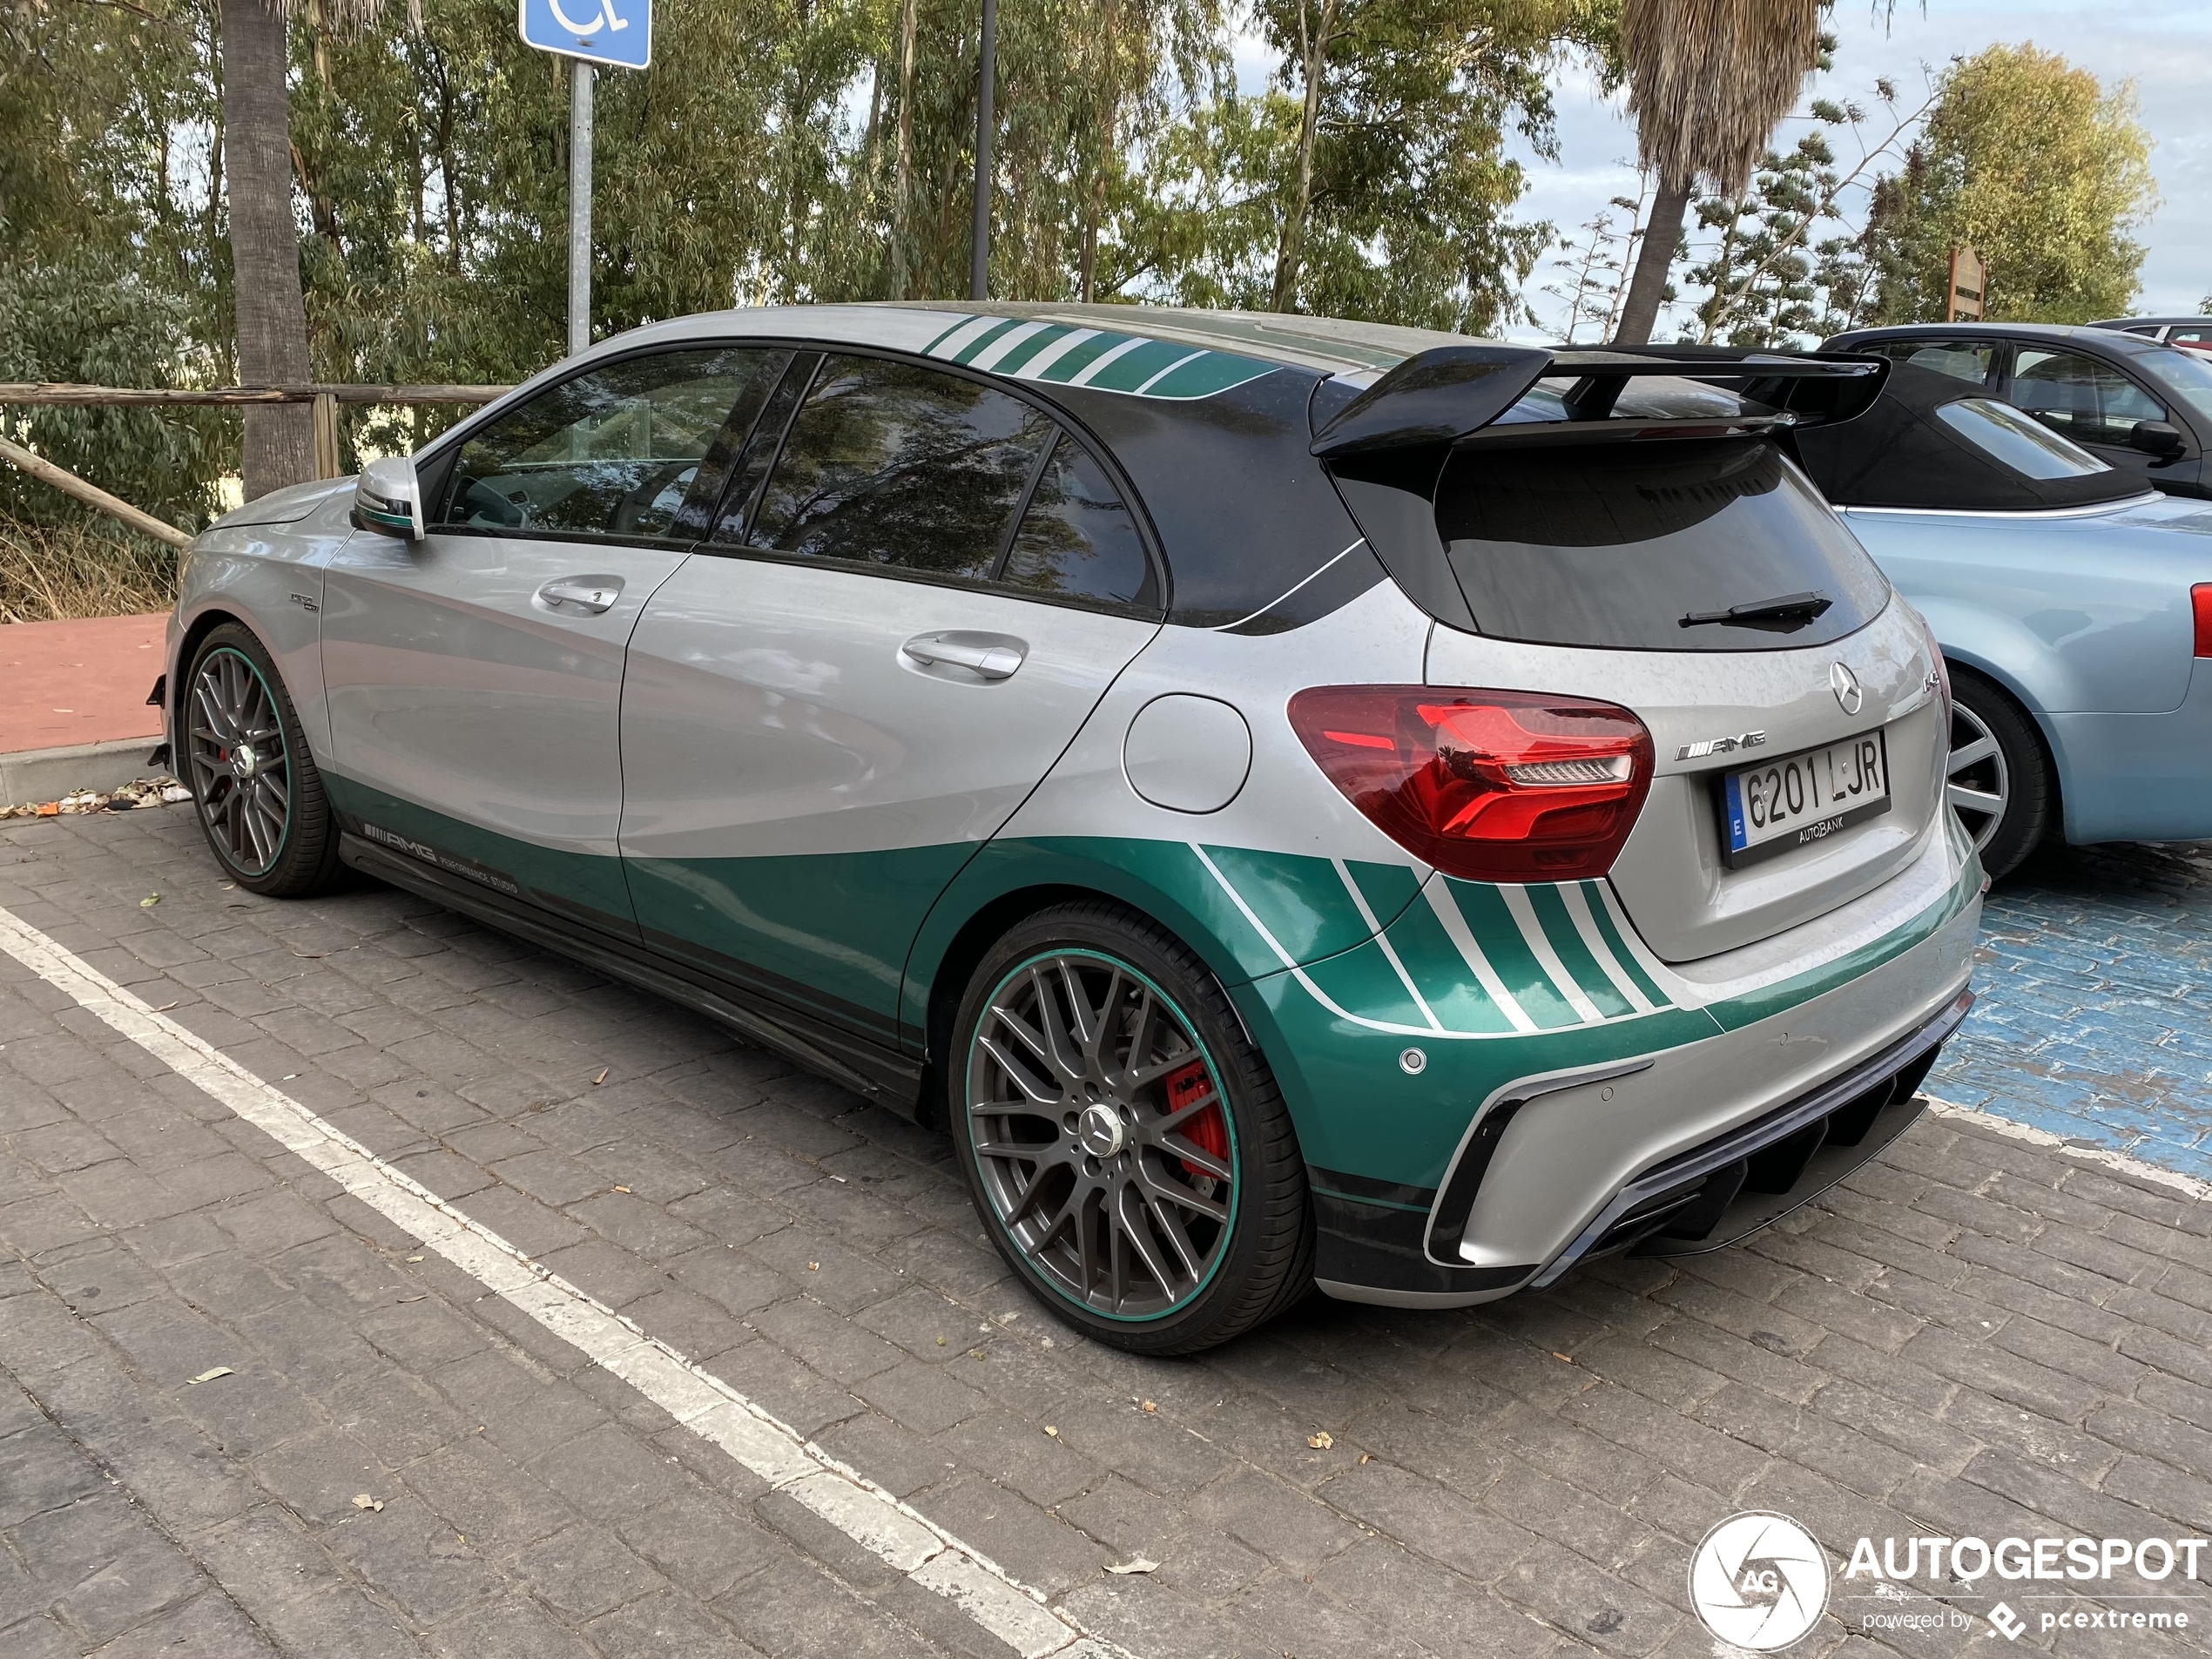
<point>65,683</point>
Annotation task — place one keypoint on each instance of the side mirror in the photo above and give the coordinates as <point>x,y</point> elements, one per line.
<point>388,497</point>
<point>2159,438</point>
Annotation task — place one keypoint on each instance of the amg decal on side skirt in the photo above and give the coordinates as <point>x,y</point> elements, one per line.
<point>443,861</point>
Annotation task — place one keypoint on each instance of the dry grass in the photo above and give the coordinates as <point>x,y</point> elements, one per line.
<point>49,572</point>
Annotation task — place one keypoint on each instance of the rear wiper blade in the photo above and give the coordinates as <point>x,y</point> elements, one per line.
<point>1791,612</point>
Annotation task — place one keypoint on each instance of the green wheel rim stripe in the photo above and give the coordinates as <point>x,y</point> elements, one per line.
<point>1218,1250</point>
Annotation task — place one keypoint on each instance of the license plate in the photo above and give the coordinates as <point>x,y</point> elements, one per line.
<point>1800,798</point>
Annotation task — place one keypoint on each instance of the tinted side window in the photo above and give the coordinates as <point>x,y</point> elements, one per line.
<point>1079,539</point>
<point>617,451</point>
<point>1967,361</point>
<point>891,463</point>
<point>2080,396</point>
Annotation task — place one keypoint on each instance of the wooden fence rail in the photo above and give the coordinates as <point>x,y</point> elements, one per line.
<point>325,398</point>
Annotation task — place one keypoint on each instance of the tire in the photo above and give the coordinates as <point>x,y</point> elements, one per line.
<point>1999,778</point>
<point>266,816</point>
<point>1126,1197</point>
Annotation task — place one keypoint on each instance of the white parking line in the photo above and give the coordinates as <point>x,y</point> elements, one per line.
<point>893,1530</point>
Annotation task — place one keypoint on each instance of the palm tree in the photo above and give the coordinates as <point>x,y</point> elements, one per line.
<point>1709,81</point>
<point>265,238</point>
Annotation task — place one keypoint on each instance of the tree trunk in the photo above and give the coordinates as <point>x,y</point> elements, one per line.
<point>1290,253</point>
<point>902,170</point>
<point>1661,237</point>
<point>265,245</point>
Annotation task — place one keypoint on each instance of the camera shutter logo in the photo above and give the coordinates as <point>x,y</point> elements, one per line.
<point>1759,1580</point>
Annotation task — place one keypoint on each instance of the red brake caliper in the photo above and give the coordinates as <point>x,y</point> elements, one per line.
<point>1205,1129</point>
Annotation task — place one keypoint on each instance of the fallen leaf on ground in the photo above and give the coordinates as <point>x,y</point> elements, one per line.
<point>622,1188</point>
<point>149,901</point>
<point>1321,1439</point>
<point>1150,1405</point>
<point>210,1375</point>
<point>165,1007</point>
<point>1366,1457</point>
<point>814,1267</point>
<point>410,1298</point>
<point>1140,1565</point>
<point>940,1342</point>
<point>602,1077</point>
<point>362,1500</point>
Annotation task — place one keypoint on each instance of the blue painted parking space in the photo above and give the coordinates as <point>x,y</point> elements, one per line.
<point>2095,1016</point>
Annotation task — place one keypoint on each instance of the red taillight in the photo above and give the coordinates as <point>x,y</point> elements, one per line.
<point>1490,786</point>
<point>2201,603</point>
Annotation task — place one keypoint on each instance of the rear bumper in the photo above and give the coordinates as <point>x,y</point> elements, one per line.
<point>2138,777</point>
<point>1713,1195</point>
<point>1500,1163</point>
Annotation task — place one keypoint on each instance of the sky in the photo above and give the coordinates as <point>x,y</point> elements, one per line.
<point>2164,46</point>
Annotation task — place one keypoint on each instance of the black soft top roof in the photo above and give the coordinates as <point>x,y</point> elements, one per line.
<point>1900,453</point>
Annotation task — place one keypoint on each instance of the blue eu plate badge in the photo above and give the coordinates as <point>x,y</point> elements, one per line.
<point>619,33</point>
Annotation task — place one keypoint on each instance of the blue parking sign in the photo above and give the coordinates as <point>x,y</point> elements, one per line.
<point>615,32</point>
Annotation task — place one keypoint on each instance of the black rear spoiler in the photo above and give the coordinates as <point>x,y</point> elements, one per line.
<point>1451,393</point>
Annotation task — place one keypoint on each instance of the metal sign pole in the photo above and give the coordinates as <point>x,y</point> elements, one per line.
<point>979,263</point>
<point>579,206</point>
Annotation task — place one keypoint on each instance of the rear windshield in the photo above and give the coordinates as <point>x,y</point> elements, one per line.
<point>1649,545</point>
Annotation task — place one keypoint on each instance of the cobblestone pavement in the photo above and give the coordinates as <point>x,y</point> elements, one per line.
<point>1972,1336</point>
<point>2095,1017</point>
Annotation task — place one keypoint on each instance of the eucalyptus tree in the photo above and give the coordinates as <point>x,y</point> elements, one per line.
<point>1709,81</point>
<point>1372,178</point>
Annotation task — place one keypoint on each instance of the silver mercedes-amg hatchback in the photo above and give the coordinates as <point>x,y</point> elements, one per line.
<point>1299,802</point>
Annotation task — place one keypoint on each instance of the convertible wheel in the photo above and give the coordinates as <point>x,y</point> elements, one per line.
<point>260,799</point>
<point>1125,1144</point>
<point>1997,779</point>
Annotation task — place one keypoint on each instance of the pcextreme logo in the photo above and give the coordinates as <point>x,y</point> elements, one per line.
<point>1759,1580</point>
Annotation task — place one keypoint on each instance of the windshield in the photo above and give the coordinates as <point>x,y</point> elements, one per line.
<point>2006,434</point>
<point>1650,545</point>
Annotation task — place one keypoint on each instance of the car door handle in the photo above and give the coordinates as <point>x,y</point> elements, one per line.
<point>991,657</point>
<point>588,594</point>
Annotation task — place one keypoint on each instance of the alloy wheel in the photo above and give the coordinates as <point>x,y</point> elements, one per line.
<point>1105,1147</point>
<point>240,771</point>
<point>1976,782</point>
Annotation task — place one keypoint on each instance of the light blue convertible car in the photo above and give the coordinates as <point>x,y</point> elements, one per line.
<point>2074,604</point>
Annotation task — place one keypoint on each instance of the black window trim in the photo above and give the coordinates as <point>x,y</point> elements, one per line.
<point>804,379</point>
<point>1064,423</point>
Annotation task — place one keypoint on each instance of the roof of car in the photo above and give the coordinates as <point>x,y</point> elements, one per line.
<point>2152,322</point>
<point>2102,335</point>
<point>1008,337</point>
<point>1904,453</point>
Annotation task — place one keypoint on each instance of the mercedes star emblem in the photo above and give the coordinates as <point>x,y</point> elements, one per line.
<point>1845,683</point>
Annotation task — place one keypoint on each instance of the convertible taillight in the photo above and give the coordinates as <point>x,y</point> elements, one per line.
<point>2201,601</point>
<point>1489,785</point>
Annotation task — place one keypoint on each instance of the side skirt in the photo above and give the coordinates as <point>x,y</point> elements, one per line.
<point>885,1078</point>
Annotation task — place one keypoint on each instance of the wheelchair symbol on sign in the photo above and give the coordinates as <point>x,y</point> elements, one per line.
<point>602,35</point>
<point>605,18</point>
